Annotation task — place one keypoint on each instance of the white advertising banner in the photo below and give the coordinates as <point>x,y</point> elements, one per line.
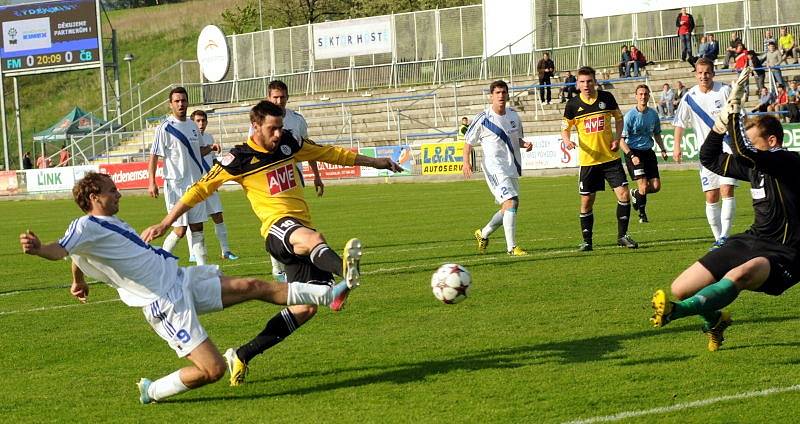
<point>595,9</point>
<point>352,37</point>
<point>505,22</point>
<point>548,152</point>
<point>55,179</point>
<point>212,53</point>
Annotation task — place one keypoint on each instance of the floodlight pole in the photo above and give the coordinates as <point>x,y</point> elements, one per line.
<point>3,121</point>
<point>18,120</point>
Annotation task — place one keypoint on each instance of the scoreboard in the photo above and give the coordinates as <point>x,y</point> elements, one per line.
<point>49,36</point>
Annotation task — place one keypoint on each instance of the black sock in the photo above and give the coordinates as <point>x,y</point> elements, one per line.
<point>623,217</point>
<point>641,199</point>
<point>324,258</point>
<point>587,222</point>
<point>278,328</point>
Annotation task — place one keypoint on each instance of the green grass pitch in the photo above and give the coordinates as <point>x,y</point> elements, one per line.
<point>553,337</point>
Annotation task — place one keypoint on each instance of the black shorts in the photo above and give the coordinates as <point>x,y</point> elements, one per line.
<point>593,177</point>
<point>647,167</point>
<point>298,268</point>
<point>740,248</point>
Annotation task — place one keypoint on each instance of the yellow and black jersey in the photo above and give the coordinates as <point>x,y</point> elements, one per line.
<point>592,117</point>
<point>270,179</point>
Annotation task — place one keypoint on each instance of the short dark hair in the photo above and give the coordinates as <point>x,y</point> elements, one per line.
<point>91,183</point>
<point>179,90</point>
<point>587,70</point>
<point>264,108</point>
<point>277,85</point>
<point>767,125</point>
<point>199,112</point>
<point>704,61</point>
<point>643,86</point>
<point>498,83</point>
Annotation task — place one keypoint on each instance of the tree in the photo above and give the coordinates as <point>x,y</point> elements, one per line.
<point>241,19</point>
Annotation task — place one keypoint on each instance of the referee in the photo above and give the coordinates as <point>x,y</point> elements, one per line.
<point>641,126</point>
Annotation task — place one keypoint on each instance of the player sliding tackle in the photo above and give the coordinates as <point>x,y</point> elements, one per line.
<point>765,257</point>
<point>107,248</point>
<point>265,168</point>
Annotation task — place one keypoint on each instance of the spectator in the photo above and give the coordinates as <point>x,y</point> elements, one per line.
<point>713,51</point>
<point>742,60</point>
<point>702,50</point>
<point>764,101</point>
<point>731,50</point>
<point>679,93</point>
<point>666,107</point>
<point>788,46</point>
<point>768,38</point>
<point>758,68</point>
<point>637,61</point>
<point>792,92</point>
<point>462,130</point>
<point>63,157</point>
<point>568,90</point>
<point>27,163</point>
<point>793,107</point>
<point>773,60</point>
<point>624,58</point>
<point>545,68</point>
<point>685,24</point>
<point>781,100</point>
<point>42,161</point>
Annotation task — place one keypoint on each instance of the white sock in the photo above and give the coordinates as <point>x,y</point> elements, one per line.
<point>198,247</point>
<point>727,214</point>
<point>188,237</point>
<point>277,266</point>
<point>309,294</point>
<point>170,241</point>
<point>493,224</point>
<point>166,386</point>
<point>713,211</point>
<point>222,236</point>
<point>510,228</point>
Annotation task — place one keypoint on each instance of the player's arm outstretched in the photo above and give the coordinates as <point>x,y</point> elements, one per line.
<point>31,245</point>
<point>198,192</point>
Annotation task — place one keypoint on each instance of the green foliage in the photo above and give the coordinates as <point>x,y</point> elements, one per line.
<point>548,338</point>
<point>241,19</point>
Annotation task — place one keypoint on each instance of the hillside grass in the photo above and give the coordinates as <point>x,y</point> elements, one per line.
<point>552,337</point>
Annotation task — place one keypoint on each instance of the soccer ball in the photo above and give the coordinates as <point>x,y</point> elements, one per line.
<point>451,283</point>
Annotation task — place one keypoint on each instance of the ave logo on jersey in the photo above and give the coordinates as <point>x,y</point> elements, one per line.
<point>286,150</point>
<point>281,179</point>
<point>594,124</point>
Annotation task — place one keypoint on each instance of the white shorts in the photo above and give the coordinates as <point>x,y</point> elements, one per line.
<point>174,317</point>
<point>172,194</point>
<point>502,186</point>
<point>711,181</point>
<point>213,204</point>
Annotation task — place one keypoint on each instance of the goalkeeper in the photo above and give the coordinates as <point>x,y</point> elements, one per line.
<point>765,257</point>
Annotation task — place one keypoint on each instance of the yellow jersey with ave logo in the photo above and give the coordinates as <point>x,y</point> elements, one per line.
<point>269,178</point>
<point>592,117</point>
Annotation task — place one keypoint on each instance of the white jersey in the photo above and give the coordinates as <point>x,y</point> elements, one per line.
<point>499,136</point>
<point>108,249</point>
<point>293,122</point>
<point>698,110</point>
<point>178,143</point>
<point>207,139</point>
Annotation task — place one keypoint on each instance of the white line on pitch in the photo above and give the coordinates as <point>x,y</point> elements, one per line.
<point>50,308</point>
<point>686,405</point>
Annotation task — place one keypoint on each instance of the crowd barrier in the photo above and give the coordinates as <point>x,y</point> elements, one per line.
<point>442,158</point>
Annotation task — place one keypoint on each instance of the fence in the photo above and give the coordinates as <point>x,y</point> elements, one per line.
<point>444,45</point>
